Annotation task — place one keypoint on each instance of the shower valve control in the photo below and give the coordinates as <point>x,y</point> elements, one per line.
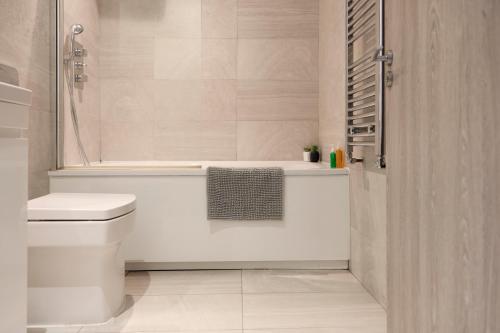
<point>79,78</point>
<point>80,52</point>
<point>80,65</point>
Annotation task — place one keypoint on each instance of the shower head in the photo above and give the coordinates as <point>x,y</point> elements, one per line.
<point>77,29</point>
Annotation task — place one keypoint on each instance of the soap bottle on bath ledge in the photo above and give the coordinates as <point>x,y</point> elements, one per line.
<point>340,157</point>
<point>333,158</point>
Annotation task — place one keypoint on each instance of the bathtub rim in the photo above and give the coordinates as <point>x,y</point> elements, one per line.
<point>191,168</point>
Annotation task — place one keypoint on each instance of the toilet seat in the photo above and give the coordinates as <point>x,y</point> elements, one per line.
<point>79,219</point>
<point>80,206</point>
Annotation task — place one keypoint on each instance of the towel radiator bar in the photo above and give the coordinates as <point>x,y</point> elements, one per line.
<point>365,79</point>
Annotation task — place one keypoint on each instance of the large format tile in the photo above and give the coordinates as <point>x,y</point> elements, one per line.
<point>90,133</point>
<point>360,329</point>
<point>122,141</point>
<point>176,313</point>
<point>177,99</point>
<point>195,140</point>
<point>183,282</point>
<point>219,18</point>
<point>177,58</point>
<point>277,100</point>
<point>332,74</point>
<point>277,18</point>
<point>218,100</point>
<point>127,57</point>
<point>219,58</point>
<point>278,59</point>
<point>303,310</point>
<point>126,99</point>
<point>179,19</point>
<point>299,281</point>
<point>136,17</point>
<point>87,13</point>
<point>68,329</point>
<point>275,140</point>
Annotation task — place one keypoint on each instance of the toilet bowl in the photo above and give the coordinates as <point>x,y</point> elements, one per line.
<point>76,274</point>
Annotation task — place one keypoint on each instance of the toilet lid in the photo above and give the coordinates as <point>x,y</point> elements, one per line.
<point>80,206</point>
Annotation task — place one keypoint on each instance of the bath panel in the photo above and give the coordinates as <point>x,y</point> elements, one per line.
<point>172,229</point>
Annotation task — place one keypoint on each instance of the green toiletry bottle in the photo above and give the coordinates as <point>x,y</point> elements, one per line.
<point>333,159</point>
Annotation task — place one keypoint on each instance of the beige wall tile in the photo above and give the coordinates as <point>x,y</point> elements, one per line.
<point>195,79</point>
<point>218,100</point>
<point>278,59</point>
<point>277,100</point>
<point>137,19</point>
<point>177,99</point>
<point>37,79</point>
<point>127,100</point>
<point>332,74</point>
<point>219,58</point>
<point>109,18</point>
<point>368,263</point>
<point>368,185</point>
<point>127,57</point>
<point>196,133</point>
<point>25,39</point>
<point>41,126</point>
<point>219,18</point>
<point>275,140</point>
<point>277,18</point>
<point>87,95</point>
<point>166,152</point>
<point>90,135</point>
<point>126,141</point>
<point>177,59</point>
<point>180,19</point>
<point>369,226</point>
<point>82,12</point>
<point>195,140</point>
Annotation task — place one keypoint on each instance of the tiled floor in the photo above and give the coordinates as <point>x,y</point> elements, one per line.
<point>272,301</point>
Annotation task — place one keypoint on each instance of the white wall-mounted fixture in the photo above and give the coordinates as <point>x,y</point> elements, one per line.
<point>15,104</point>
<point>76,273</point>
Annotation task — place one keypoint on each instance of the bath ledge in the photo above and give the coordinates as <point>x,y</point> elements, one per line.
<point>291,168</point>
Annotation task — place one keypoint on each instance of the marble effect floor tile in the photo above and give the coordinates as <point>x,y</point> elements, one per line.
<point>297,281</point>
<point>261,301</point>
<point>183,282</point>
<point>311,310</point>
<point>72,329</point>
<point>321,330</point>
<point>175,313</point>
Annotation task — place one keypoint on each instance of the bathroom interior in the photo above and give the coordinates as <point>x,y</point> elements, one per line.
<point>237,166</point>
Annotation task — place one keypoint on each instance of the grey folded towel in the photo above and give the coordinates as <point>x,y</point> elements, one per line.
<point>245,194</point>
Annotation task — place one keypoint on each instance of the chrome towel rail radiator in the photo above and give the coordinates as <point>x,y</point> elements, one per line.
<point>365,79</point>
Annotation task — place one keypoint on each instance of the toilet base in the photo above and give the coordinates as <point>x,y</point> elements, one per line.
<point>74,285</point>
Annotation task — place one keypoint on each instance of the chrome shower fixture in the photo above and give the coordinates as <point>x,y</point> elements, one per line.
<point>77,29</point>
<point>74,67</point>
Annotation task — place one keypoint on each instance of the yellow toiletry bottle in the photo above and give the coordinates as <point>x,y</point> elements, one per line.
<point>339,154</point>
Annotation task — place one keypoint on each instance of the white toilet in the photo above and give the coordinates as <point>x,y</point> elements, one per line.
<point>76,275</point>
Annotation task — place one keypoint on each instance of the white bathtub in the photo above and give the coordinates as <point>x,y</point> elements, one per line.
<point>172,230</point>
